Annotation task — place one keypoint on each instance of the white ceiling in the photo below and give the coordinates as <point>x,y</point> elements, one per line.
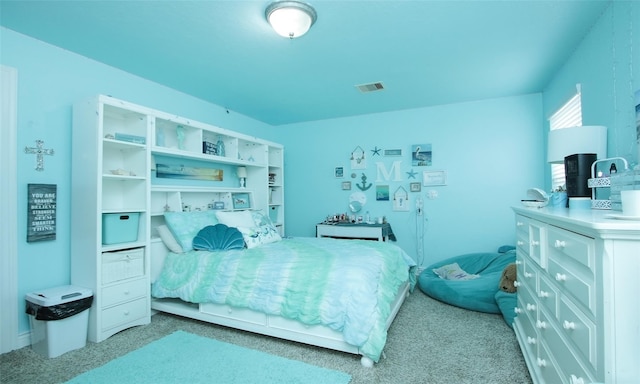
<point>425,52</point>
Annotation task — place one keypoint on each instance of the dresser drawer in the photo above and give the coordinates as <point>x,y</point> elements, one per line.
<point>568,361</point>
<point>528,334</point>
<point>527,302</point>
<point>547,295</point>
<point>124,313</point>
<point>536,242</point>
<point>579,330</point>
<point>123,292</point>
<point>549,371</point>
<point>577,251</point>
<point>522,233</point>
<point>579,286</point>
<point>527,273</point>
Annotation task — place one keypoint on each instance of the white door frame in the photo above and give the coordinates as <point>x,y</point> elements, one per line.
<point>8,210</point>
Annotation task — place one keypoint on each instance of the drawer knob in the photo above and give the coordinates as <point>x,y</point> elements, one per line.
<point>517,310</point>
<point>520,243</point>
<point>531,340</point>
<point>542,362</point>
<point>561,277</point>
<point>126,313</point>
<point>541,324</point>
<point>127,292</point>
<point>516,283</point>
<point>559,244</point>
<point>543,294</point>
<point>518,262</point>
<point>528,274</point>
<point>576,380</point>
<point>531,307</point>
<point>535,243</point>
<point>568,325</point>
<point>519,224</point>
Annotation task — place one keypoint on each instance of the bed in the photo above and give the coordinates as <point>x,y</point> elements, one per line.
<point>331,293</point>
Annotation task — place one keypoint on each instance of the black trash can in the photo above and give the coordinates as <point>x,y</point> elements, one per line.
<point>59,319</point>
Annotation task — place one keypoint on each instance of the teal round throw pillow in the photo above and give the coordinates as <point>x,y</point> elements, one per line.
<point>218,237</point>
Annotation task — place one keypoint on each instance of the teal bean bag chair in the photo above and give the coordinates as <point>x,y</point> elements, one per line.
<point>471,281</point>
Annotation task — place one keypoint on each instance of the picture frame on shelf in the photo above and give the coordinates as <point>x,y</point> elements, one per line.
<point>241,200</point>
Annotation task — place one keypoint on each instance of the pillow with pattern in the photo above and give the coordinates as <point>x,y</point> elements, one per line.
<point>256,236</point>
<point>454,272</point>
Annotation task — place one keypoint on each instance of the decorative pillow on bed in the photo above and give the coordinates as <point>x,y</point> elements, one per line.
<point>236,219</point>
<point>168,239</point>
<point>185,225</point>
<point>453,272</point>
<point>256,236</point>
<point>218,237</point>
<point>256,228</point>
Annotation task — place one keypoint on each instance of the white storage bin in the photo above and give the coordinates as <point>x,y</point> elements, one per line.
<point>59,319</point>
<point>122,265</point>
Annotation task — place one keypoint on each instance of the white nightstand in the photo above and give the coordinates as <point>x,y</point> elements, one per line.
<point>379,232</point>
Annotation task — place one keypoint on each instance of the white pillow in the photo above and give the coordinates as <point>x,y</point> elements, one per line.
<point>256,236</point>
<point>236,219</point>
<point>453,272</point>
<point>168,239</point>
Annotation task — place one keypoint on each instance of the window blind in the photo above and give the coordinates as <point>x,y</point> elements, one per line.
<point>569,115</point>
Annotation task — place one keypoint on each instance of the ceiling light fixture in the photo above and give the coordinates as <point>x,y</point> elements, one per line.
<point>290,18</point>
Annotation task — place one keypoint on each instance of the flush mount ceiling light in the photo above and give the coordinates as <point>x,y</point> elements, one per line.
<point>290,18</point>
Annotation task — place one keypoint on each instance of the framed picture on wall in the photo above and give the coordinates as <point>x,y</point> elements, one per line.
<point>338,172</point>
<point>414,187</point>
<point>432,178</point>
<point>393,152</point>
<point>346,185</point>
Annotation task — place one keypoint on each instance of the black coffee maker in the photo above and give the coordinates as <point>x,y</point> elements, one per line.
<point>577,170</point>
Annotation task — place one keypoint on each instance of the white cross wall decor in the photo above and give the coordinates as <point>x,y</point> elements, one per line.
<point>39,152</point>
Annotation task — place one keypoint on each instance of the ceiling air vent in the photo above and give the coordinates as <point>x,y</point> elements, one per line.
<point>371,87</point>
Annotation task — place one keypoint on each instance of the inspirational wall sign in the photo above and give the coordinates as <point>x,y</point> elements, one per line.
<point>41,212</point>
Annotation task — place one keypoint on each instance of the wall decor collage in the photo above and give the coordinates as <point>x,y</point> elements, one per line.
<point>391,166</point>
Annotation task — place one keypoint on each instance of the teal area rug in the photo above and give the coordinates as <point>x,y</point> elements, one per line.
<point>186,358</point>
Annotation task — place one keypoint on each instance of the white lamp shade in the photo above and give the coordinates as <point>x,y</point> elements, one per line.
<point>570,141</point>
<point>290,18</point>
<point>242,172</point>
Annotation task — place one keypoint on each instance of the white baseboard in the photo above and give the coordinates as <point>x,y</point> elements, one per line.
<point>24,340</point>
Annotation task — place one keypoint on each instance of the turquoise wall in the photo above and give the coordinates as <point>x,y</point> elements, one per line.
<point>491,151</point>
<point>607,66</point>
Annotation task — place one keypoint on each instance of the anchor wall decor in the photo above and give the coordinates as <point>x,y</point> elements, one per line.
<point>364,186</point>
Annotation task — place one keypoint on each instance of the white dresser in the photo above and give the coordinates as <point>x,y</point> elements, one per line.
<point>578,312</point>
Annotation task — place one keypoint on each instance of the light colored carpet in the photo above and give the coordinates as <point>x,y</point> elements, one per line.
<point>429,343</point>
<point>183,357</point>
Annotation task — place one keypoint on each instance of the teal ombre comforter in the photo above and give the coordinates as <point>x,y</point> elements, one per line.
<point>347,285</point>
